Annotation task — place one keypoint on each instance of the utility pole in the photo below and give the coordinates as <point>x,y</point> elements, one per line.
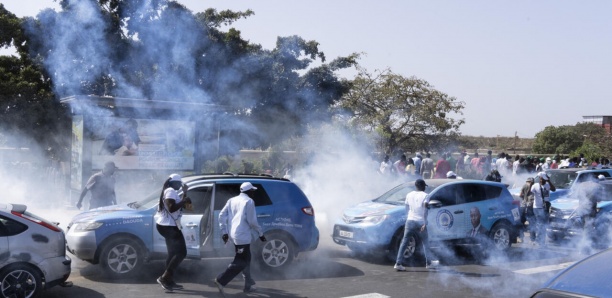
<point>515,138</point>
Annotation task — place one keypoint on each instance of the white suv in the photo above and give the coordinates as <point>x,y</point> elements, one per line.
<point>32,253</point>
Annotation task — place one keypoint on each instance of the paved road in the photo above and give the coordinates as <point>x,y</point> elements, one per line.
<point>333,271</point>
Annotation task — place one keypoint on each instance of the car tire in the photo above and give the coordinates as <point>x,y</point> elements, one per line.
<point>501,236</point>
<point>122,257</point>
<point>411,250</point>
<point>277,252</point>
<point>554,237</point>
<point>20,280</point>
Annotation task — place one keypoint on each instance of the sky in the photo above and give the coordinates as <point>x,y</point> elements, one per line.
<point>518,66</point>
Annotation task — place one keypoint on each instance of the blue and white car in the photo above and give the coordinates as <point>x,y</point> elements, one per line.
<point>378,225</point>
<point>564,221</point>
<point>123,237</point>
<point>565,179</point>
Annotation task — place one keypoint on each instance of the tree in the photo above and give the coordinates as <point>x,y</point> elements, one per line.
<point>405,112</point>
<point>569,138</point>
<point>28,112</point>
<point>161,50</point>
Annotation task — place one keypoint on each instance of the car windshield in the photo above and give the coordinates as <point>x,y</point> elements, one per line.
<point>562,180</point>
<point>397,195</point>
<point>149,201</point>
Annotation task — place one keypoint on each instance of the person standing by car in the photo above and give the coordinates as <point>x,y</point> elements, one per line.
<point>526,210</point>
<point>102,187</point>
<point>541,192</point>
<point>168,224</point>
<point>589,193</point>
<point>415,224</point>
<point>236,220</point>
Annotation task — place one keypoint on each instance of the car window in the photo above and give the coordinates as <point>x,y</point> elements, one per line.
<point>200,200</point>
<point>224,192</point>
<point>561,179</point>
<point>448,195</point>
<point>479,192</point>
<point>592,176</point>
<point>10,227</point>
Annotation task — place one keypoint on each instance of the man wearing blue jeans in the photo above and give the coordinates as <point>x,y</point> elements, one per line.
<point>415,223</point>
<point>541,191</point>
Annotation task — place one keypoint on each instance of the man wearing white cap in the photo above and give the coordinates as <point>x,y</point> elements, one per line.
<point>541,192</point>
<point>236,220</point>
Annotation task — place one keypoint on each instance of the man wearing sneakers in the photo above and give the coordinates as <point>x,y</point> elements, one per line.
<point>236,221</point>
<point>416,223</point>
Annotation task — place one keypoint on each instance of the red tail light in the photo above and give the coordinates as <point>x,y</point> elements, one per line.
<point>38,221</point>
<point>308,211</point>
<point>516,202</point>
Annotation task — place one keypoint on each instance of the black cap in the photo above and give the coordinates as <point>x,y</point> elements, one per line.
<point>420,183</point>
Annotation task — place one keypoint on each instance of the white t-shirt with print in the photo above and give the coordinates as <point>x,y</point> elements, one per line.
<point>163,217</point>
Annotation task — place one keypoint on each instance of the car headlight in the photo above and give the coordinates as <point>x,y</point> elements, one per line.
<point>376,219</point>
<point>87,226</point>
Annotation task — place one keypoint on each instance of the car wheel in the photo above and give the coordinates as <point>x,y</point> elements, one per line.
<point>277,252</point>
<point>501,236</point>
<point>20,281</point>
<point>122,257</point>
<point>411,248</point>
<point>554,237</point>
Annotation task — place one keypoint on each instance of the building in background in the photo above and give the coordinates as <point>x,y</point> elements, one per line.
<point>603,121</point>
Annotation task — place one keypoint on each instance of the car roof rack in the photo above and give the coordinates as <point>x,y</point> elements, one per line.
<point>230,175</point>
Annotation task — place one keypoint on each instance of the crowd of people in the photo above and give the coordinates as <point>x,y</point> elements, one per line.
<point>486,166</point>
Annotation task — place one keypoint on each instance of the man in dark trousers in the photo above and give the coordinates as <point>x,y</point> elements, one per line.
<point>102,187</point>
<point>236,220</point>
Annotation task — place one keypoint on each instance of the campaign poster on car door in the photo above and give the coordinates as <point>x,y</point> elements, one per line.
<point>143,144</point>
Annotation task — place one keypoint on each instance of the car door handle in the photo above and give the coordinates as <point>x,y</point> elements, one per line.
<point>191,225</point>
<point>458,212</point>
<point>263,215</point>
<point>492,208</point>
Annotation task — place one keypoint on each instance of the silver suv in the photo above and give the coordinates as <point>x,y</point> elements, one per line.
<point>33,253</point>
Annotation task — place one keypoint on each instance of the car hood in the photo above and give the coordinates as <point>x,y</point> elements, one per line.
<point>104,212</point>
<point>569,204</point>
<point>554,195</point>
<point>370,208</point>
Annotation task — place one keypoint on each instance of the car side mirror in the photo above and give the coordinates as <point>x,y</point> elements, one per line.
<point>434,204</point>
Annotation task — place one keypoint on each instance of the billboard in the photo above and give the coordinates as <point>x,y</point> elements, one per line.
<point>143,144</point>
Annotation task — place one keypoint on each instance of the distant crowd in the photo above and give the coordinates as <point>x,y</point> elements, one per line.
<point>486,167</point>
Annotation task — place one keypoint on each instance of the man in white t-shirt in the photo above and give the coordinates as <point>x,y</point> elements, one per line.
<point>541,192</point>
<point>416,223</point>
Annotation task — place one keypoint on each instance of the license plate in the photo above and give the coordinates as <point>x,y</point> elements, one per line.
<point>346,234</point>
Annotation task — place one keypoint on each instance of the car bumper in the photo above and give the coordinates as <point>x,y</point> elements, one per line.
<point>562,228</point>
<point>365,236</point>
<point>82,244</point>
<point>56,270</point>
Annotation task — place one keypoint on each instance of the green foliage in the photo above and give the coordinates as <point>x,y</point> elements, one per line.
<point>27,105</point>
<point>568,139</point>
<point>405,112</point>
